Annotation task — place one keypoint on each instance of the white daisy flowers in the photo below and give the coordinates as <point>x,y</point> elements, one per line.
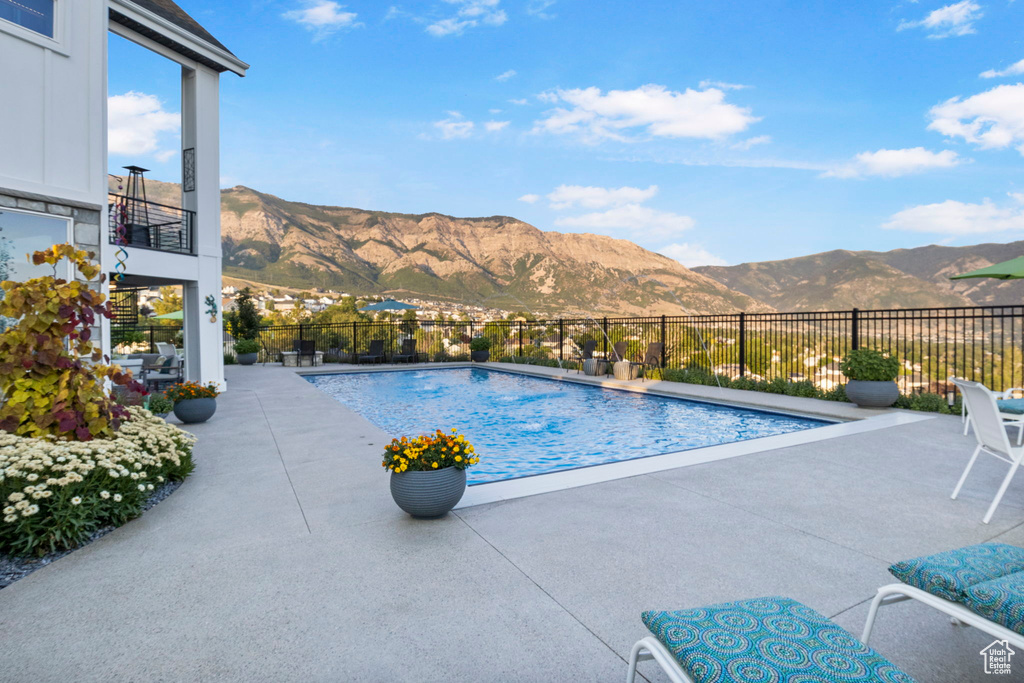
<point>76,501</point>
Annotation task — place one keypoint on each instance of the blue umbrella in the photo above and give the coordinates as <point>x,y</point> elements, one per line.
<point>388,305</point>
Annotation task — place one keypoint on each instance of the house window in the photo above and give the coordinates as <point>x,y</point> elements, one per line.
<point>22,233</point>
<point>35,15</point>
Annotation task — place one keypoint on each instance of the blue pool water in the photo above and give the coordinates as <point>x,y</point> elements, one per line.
<point>523,426</point>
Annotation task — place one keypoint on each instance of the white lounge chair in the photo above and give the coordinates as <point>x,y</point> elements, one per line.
<point>1011,410</point>
<point>979,586</point>
<point>983,413</point>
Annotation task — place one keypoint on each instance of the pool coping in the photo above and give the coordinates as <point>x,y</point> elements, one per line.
<point>848,420</point>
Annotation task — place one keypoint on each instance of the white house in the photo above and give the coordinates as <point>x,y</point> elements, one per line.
<point>53,153</point>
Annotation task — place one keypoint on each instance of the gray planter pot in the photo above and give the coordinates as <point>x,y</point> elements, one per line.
<point>623,369</point>
<point>594,367</point>
<point>428,494</point>
<point>195,410</point>
<point>872,394</point>
<point>247,358</point>
<point>480,356</point>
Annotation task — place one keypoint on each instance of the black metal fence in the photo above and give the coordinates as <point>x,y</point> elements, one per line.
<point>982,343</point>
<point>138,223</point>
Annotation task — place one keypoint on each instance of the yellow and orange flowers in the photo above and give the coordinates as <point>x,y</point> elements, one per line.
<point>188,390</point>
<point>429,452</point>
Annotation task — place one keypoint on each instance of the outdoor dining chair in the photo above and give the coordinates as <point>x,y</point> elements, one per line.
<point>1011,410</point>
<point>587,353</point>
<point>991,436</point>
<point>652,358</point>
<point>407,354</point>
<point>375,354</point>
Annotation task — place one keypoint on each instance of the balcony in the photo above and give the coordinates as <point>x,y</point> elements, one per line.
<point>147,225</point>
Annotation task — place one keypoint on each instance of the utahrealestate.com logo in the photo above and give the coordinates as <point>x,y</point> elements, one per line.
<point>997,658</point>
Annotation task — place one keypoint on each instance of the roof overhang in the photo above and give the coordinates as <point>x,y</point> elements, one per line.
<point>158,29</point>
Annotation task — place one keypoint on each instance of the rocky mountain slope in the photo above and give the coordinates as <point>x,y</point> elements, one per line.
<point>496,261</point>
<point>903,278</point>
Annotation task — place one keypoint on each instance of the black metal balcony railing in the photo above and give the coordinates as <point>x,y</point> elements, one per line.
<point>148,225</point>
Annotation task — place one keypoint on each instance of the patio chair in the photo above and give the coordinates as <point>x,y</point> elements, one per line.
<point>651,359</point>
<point>990,435</point>
<point>166,372</point>
<point>773,638</point>
<point>375,354</point>
<point>304,348</point>
<point>980,586</point>
<point>408,353</point>
<point>1011,410</point>
<point>587,353</point>
<point>165,349</point>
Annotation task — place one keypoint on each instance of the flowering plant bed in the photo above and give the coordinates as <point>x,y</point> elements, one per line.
<point>429,452</point>
<point>56,494</point>
<point>190,390</point>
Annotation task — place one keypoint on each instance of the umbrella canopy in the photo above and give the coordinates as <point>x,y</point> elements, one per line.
<point>388,305</point>
<point>1007,270</point>
<point>173,315</point>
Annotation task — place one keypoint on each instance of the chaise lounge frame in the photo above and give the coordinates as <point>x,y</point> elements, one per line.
<point>650,648</point>
<point>900,592</point>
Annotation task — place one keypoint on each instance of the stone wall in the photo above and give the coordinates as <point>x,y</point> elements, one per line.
<point>87,217</point>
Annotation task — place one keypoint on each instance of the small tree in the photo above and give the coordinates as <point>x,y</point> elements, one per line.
<point>409,322</point>
<point>245,323</point>
<point>51,379</point>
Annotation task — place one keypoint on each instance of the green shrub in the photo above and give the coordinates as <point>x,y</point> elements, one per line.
<point>480,344</point>
<point>247,346</point>
<point>836,393</point>
<point>869,365</point>
<point>229,359</point>
<point>804,389</point>
<point>929,403</point>
<point>777,385</point>
<point>56,494</point>
<point>159,404</point>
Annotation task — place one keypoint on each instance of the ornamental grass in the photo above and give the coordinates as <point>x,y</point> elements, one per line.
<point>56,494</point>
<point>429,452</point>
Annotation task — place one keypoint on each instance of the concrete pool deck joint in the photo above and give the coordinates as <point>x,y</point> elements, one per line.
<point>853,421</point>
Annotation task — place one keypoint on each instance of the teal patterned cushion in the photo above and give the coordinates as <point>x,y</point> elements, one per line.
<point>1011,405</point>
<point>1000,600</point>
<point>949,574</point>
<point>774,639</point>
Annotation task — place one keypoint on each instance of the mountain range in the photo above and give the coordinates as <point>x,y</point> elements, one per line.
<point>502,262</point>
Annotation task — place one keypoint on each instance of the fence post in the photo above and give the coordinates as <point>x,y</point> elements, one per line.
<point>604,341</point>
<point>561,340</point>
<point>352,356</point>
<point>520,338</point>
<point>855,330</point>
<point>152,344</point>
<point>743,343</point>
<point>664,330</point>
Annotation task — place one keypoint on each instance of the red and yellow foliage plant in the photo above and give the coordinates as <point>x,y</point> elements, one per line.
<point>52,378</point>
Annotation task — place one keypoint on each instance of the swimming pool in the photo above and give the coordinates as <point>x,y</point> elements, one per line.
<point>523,426</point>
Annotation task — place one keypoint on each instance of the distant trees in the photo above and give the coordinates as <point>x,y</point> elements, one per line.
<point>409,322</point>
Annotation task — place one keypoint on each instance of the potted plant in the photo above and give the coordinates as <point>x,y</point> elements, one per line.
<point>871,378</point>
<point>193,402</point>
<point>480,349</point>
<point>428,473</point>
<point>159,405</point>
<point>247,351</point>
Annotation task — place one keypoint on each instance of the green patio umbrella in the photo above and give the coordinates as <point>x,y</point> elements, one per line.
<point>1007,270</point>
<point>388,305</point>
<point>173,315</point>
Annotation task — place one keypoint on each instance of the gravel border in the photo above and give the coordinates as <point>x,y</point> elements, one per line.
<point>14,568</point>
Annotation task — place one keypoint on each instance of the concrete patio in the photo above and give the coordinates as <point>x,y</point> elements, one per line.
<point>284,558</point>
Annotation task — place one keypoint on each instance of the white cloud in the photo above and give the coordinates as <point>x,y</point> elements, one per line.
<point>454,127</point>
<point>722,85</point>
<point>632,218</point>
<point>506,75</point>
<point>538,8</point>
<point>519,102</point>
<point>752,142</point>
<point>952,20</point>
<point>322,17</point>
<point>530,198</point>
<point>570,196</point>
<point>136,123</point>
<point>654,109</point>
<point>470,13</point>
<point>958,218</point>
<point>691,255</point>
<point>892,163</point>
<point>993,119</point>
<point>495,126</point>
<point>494,111</point>
<point>1012,70</point>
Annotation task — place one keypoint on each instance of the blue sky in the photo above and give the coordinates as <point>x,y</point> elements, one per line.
<point>713,132</point>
